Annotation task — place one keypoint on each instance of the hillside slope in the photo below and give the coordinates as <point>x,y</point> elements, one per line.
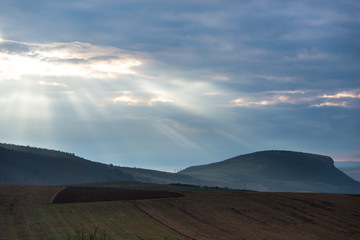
<point>283,171</point>
<point>37,166</point>
<point>159,177</point>
<point>40,151</point>
<point>19,167</point>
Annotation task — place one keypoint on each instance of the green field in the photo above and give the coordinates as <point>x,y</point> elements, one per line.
<point>27,213</point>
<point>122,219</point>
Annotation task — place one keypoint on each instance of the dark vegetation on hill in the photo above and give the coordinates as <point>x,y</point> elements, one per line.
<point>37,166</point>
<point>41,151</point>
<point>283,171</point>
<point>42,168</point>
<point>153,176</point>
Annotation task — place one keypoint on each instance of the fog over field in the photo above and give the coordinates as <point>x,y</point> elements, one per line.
<point>171,84</point>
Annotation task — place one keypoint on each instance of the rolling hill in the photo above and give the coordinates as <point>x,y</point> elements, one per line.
<point>36,166</point>
<point>282,171</point>
<point>277,171</point>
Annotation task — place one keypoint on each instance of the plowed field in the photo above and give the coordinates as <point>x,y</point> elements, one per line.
<point>26,212</point>
<point>256,215</point>
<point>75,194</point>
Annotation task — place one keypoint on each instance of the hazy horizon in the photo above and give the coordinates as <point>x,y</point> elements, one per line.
<point>170,84</point>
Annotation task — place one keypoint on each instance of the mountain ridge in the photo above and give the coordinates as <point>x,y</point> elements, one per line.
<point>275,170</point>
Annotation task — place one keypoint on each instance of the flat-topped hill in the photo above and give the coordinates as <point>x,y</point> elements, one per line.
<point>277,171</point>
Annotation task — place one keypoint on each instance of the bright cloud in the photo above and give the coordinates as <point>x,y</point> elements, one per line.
<point>241,102</point>
<point>344,94</point>
<point>159,99</point>
<point>129,100</point>
<point>331,104</point>
<point>212,93</point>
<point>64,59</point>
<point>272,98</point>
<point>340,99</point>
<point>309,98</point>
<point>53,84</point>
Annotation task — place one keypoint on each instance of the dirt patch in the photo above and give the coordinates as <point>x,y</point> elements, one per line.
<point>25,195</point>
<point>74,194</point>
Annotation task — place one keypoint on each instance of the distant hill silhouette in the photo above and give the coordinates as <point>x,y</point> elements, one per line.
<point>283,171</point>
<point>352,171</point>
<point>36,166</point>
<point>45,168</point>
<point>40,151</point>
<point>154,176</point>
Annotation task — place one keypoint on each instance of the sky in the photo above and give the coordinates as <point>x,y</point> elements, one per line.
<point>170,84</point>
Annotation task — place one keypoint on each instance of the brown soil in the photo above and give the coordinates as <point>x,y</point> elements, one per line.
<point>28,195</point>
<point>74,194</point>
<point>253,215</point>
<point>26,212</point>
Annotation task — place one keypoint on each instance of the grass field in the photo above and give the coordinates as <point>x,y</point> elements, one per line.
<point>122,219</point>
<point>27,212</point>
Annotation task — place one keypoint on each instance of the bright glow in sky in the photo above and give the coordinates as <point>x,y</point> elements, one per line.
<point>170,84</point>
<point>62,60</point>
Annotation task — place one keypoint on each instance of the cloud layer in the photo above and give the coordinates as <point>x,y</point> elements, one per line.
<point>176,83</point>
<point>63,60</point>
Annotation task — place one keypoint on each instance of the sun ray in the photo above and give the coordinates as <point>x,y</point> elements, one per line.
<point>26,111</point>
<point>174,135</point>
